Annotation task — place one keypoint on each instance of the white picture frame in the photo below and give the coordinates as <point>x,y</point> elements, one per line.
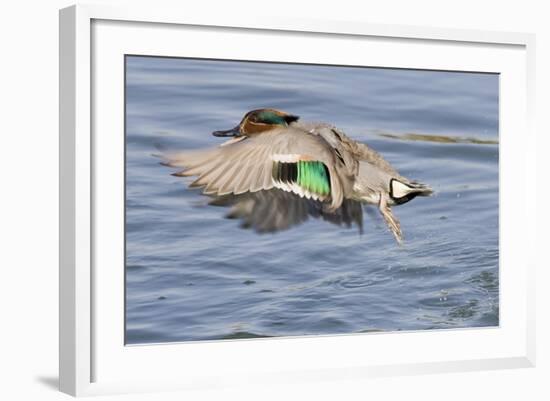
<point>93,360</point>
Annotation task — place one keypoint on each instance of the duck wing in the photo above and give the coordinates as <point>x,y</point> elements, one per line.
<point>276,210</point>
<point>288,159</point>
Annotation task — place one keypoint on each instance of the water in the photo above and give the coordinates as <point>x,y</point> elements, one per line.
<point>194,275</point>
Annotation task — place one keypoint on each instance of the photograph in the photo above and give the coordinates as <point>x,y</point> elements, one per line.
<point>269,199</point>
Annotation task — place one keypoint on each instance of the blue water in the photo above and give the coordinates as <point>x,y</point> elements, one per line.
<point>193,275</point>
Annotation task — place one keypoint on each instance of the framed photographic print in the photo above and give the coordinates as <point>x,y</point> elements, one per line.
<point>284,200</point>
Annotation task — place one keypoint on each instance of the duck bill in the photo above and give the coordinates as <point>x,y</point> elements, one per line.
<point>235,131</point>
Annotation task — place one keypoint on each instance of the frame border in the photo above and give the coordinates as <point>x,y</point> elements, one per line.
<point>75,165</point>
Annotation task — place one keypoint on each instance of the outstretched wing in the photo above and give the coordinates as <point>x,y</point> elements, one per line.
<point>275,210</point>
<point>290,159</point>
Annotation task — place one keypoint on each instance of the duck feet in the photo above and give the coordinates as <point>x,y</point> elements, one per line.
<point>390,219</point>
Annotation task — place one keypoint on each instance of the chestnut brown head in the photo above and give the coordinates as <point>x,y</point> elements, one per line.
<point>258,121</point>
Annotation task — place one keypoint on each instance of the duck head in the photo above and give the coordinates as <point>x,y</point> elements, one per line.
<point>258,121</point>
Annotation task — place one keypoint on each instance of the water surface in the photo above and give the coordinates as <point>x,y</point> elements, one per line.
<point>191,274</point>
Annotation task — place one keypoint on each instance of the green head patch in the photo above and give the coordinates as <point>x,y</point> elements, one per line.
<point>270,117</point>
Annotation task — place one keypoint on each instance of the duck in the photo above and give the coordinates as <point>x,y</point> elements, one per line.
<point>275,171</point>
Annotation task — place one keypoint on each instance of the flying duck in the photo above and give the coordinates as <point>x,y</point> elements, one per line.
<point>275,171</point>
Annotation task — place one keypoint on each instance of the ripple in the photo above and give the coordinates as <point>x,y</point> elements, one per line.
<point>352,281</point>
<point>487,280</point>
<point>440,139</point>
<point>370,331</point>
<point>240,335</point>
<point>465,311</point>
<point>136,267</point>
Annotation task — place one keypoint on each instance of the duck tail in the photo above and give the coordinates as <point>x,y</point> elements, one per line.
<point>402,192</point>
<point>421,189</point>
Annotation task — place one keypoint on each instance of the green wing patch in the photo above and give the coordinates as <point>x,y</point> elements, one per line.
<point>312,176</point>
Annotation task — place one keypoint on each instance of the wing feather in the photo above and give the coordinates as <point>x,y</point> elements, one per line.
<point>275,210</point>
<point>243,166</point>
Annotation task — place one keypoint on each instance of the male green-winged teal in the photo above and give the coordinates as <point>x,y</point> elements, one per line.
<point>276,171</point>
